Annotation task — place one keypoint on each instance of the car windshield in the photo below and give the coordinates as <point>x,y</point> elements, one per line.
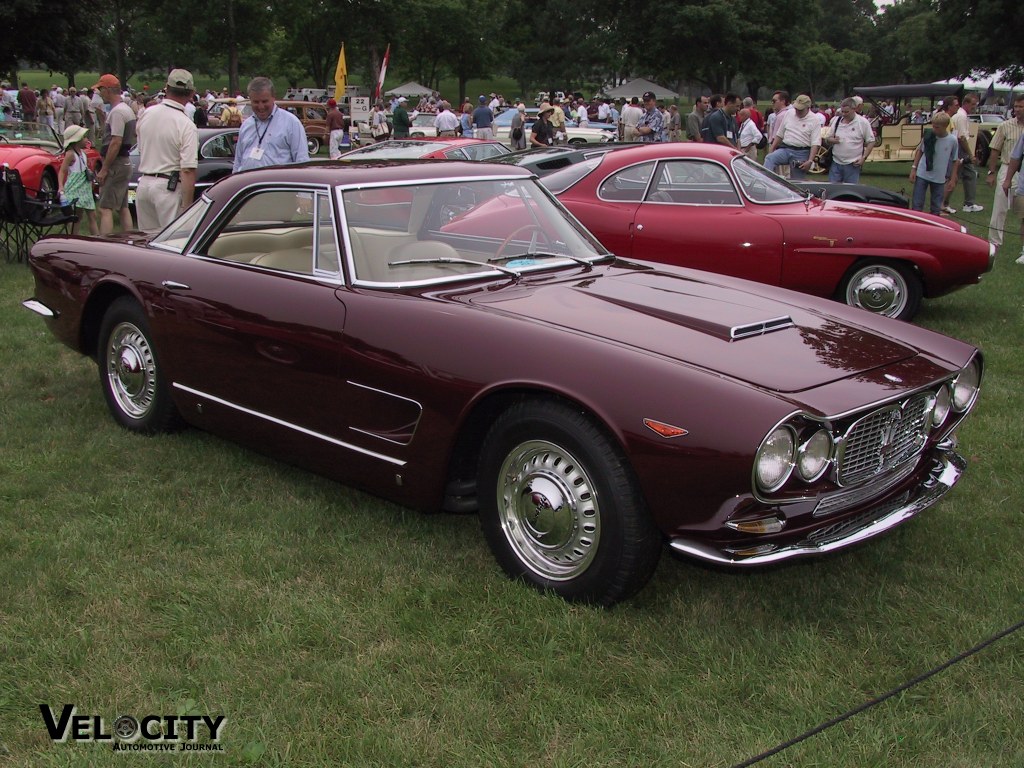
<point>762,186</point>
<point>458,230</point>
<point>178,233</point>
<point>397,150</point>
<point>37,134</point>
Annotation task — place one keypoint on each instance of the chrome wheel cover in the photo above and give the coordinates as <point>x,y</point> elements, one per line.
<point>549,510</point>
<point>131,370</point>
<point>878,289</point>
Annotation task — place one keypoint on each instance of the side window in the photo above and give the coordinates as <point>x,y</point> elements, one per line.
<point>692,182</point>
<point>220,146</point>
<point>287,230</point>
<point>627,185</point>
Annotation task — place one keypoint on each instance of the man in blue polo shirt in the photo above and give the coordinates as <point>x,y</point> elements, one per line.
<point>483,120</point>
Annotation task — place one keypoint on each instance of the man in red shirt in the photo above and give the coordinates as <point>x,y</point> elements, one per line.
<point>755,113</point>
<point>27,99</point>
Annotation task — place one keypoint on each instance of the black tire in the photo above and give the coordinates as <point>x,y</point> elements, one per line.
<point>577,141</point>
<point>560,507</point>
<point>314,145</point>
<point>883,287</point>
<point>47,187</point>
<point>132,381</point>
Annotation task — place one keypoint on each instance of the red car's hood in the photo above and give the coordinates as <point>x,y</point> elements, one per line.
<point>12,154</point>
<point>694,319</point>
<point>885,213</point>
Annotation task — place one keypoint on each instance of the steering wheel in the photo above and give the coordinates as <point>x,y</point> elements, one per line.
<point>512,236</point>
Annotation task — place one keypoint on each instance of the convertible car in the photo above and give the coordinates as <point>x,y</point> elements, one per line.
<point>36,151</point>
<point>710,207</point>
<point>439,148</point>
<point>353,319</point>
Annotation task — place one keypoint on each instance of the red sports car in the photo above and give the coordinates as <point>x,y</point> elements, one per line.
<point>36,151</point>
<point>712,208</point>
<point>440,148</point>
<point>356,319</point>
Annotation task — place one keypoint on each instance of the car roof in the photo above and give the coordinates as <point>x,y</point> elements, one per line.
<point>369,173</point>
<point>909,90</point>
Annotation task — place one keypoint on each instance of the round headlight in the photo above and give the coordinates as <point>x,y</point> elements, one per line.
<point>965,387</point>
<point>774,461</point>
<point>813,456</point>
<point>941,408</point>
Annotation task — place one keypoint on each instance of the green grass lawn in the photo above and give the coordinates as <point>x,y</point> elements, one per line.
<point>183,574</point>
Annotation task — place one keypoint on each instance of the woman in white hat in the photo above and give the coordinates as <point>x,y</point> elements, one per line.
<point>74,181</point>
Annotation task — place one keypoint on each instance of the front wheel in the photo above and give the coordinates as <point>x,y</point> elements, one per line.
<point>560,508</point>
<point>577,141</point>
<point>885,288</point>
<point>314,145</point>
<point>133,383</point>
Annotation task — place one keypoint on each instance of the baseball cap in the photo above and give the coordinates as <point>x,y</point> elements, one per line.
<point>803,101</point>
<point>649,96</point>
<point>332,103</point>
<point>181,79</point>
<point>483,99</point>
<point>108,81</point>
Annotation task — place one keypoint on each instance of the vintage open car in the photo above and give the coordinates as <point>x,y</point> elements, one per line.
<point>355,320</point>
<point>36,151</point>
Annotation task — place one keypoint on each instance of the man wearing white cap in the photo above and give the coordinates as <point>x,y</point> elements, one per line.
<point>168,155</point>
<point>797,141</point>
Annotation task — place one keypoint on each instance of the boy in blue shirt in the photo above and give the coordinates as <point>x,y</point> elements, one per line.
<point>934,158</point>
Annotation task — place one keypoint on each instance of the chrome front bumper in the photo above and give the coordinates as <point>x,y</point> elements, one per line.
<point>944,475</point>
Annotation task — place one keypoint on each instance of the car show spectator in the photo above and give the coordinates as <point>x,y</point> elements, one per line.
<point>1017,198</point>
<point>400,119</point>
<point>446,122</point>
<point>968,168</point>
<point>482,121</point>
<point>631,114</point>
<point>935,166</point>
<point>74,182</point>
<point>675,124</point>
<point>45,109</point>
<point>749,136</point>
<point>720,125</point>
<point>73,114</point>
<point>28,100</point>
<point>543,133</point>
<point>648,127</point>
<point>558,123</point>
<point>270,136</point>
<point>336,130</point>
<point>168,155</point>
<point>851,140</point>
<point>755,114</point>
<point>781,109</point>
<point>517,130</point>
<point>695,119</point>
<point>1005,138</point>
<point>796,141</point>
<point>119,135</point>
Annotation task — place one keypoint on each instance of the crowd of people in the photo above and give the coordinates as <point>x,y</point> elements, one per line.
<point>793,134</point>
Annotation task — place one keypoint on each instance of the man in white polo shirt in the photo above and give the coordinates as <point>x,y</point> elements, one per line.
<point>797,141</point>
<point>168,156</point>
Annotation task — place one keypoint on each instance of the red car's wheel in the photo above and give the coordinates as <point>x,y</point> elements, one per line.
<point>560,507</point>
<point>885,288</point>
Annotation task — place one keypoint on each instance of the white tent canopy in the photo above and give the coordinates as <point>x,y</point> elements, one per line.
<point>980,82</point>
<point>409,89</point>
<point>638,88</point>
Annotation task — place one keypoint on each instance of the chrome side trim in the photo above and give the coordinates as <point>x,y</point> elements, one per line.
<point>39,308</point>
<point>947,470</point>
<point>289,425</point>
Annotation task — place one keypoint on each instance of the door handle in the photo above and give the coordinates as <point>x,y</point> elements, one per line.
<point>171,285</point>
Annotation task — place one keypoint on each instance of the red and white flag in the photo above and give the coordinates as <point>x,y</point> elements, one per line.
<point>383,72</point>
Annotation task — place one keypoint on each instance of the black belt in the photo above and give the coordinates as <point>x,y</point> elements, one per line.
<point>790,146</point>
<point>159,175</point>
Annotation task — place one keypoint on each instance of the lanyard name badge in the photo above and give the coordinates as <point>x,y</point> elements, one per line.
<point>256,153</point>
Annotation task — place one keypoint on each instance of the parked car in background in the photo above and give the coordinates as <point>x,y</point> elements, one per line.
<point>446,336</point>
<point>216,160</point>
<point>709,207</point>
<point>574,135</point>
<point>440,148</point>
<point>314,119</point>
<point>36,151</point>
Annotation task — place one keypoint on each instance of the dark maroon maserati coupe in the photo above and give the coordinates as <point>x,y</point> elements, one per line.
<point>359,321</point>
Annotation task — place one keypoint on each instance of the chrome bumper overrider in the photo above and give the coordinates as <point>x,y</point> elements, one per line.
<point>947,470</point>
<point>38,307</point>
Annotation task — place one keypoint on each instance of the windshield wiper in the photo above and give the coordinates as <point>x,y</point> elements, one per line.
<point>543,255</point>
<point>449,260</point>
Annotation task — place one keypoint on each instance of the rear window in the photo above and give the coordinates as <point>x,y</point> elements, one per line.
<point>559,181</point>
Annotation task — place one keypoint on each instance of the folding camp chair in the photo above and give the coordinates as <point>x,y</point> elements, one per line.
<point>24,219</point>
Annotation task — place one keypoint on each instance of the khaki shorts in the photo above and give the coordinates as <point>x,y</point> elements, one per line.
<point>114,192</point>
<point>1018,203</point>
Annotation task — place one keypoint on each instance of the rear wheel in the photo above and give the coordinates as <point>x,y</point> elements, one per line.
<point>885,288</point>
<point>314,145</point>
<point>560,508</point>
<point>133,383</point>
<point>577,141</point>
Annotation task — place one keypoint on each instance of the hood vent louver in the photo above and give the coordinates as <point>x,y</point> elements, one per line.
<point>760,328</point>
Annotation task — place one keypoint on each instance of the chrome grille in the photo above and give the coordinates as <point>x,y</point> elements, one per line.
<point>845,499</point>
<point>884,439</point>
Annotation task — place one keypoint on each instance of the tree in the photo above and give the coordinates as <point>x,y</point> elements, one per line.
<point>984,35</point>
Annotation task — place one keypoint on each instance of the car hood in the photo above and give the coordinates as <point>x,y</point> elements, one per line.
<point>724,327</point>
<point>12,154</point>
<point>884,213</point>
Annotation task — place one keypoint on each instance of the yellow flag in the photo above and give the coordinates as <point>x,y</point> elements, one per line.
<point>340,75</point>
